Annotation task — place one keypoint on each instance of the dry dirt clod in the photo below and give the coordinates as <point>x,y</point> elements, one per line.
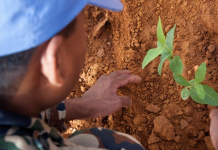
<point>177,138</point>
<point>154,30</point>
<point>153,138</point>
<point>192,142</point>
<point>98,29</point>
<point>164,128</point>
<point>211,48</point>
<point>183,123</point>
<point>172,109</point>
<point>153,108</point>
<point>209,143</point>
<point>100,53</point>
<point>138,120</point>
<point>201,135</point>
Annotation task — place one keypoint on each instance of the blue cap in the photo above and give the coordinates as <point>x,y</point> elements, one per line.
<point>25,24</point>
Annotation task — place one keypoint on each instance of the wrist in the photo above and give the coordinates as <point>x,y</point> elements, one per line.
<point>78,108</point>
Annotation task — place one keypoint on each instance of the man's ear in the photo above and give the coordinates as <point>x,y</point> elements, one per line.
<point>49,62</point>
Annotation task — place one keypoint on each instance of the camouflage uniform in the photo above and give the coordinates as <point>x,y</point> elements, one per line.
<point>19,132</point>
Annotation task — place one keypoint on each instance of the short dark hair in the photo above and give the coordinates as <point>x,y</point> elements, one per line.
<point>12,70</point>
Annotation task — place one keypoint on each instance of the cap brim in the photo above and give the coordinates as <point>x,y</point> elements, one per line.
<point>114,5</point>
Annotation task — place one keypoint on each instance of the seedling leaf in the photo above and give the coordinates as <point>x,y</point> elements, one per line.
<point>170,38</point>
<point>159,44</point>
<point>163,58</point>
<point>185,94</point>
<point>211,96</point>
<point>192,82</point>
<point>195,96</point>
<point>200,73</point>
<point>180,80</point>
<point>176,65</point>
<point>160,34</point>
<point>152,54</point>
<point>200,91</point>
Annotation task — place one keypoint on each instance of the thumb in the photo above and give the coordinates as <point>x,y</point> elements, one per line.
<point>125,101</point>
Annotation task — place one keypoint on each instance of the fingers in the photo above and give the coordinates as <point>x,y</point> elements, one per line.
<point>118,73</point>
<point>213,127</point>
<point>125,79</point>
<point>125,101</point>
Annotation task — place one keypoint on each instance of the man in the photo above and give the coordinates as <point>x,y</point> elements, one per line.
<point>42,49</point>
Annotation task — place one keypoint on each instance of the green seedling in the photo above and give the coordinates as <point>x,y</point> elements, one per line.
<point>200,93</point>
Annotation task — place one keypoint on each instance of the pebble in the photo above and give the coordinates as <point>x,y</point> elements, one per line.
<point>211,48</point>
<point>100,53</point>
<point>83,89</point>
<point>201,135</point>
<point>167,29</point>
<point>189,72</point>
<point>183,123</point>
<point>153,108</point>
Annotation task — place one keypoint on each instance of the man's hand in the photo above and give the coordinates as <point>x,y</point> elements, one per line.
<point>102,97</point>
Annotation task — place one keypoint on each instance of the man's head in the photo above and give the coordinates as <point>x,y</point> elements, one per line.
<point>42,76</point>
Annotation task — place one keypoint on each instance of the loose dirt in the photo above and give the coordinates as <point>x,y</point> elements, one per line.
<point>158,117</point>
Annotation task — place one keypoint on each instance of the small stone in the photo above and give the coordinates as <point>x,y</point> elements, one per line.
<point>183,123</point>
<point>153,138</point>
<point>211,48</point>
<point>110,118</point>
<point>153,108</point>
<point>100,53</point>
<point>167,29</point>
<point>171,81</point>
<point>209,143</point>
<point>164,128</point>
<point>83,89</point>
<point>189,72</point>
<point>105,69</point>
<point>196,68</point>
<point>177,138</point>
<point>201,135</point>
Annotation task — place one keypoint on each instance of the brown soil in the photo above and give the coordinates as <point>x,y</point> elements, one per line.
<point>158,117</point>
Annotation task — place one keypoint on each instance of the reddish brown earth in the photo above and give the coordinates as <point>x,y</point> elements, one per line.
<point>158,117</point>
